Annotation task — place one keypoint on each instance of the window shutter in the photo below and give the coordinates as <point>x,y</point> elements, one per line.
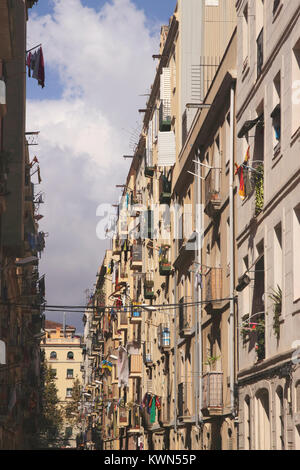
<point>165,84</point>
<point>166,149</point>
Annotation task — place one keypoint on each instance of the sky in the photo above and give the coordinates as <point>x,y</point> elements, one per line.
<point>98,64</point>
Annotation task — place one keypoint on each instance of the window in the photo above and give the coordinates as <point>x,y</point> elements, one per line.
<point>69,392</point>
<point>262,421</point>
<point>296,87</point>
<point>70,373</point>
<point>276,4</point>
<point>247,424</point>
<point>278,260</point>
<point>53,372</point>
<point>245,38</point>
<point>276,113</point>
<point>260,35</point>
<point>70,355</point>
<point>53,355</point>
<point>296,252</point>
<point>279,419</point>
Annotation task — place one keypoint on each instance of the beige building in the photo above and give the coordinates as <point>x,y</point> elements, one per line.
<point>268,120</point>
<point>63,354</point>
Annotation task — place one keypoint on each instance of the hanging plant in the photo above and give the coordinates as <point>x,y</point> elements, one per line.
<point>276,297</point>
<point>245,335</point>
<point>259,189</point>
<point>260,344</point>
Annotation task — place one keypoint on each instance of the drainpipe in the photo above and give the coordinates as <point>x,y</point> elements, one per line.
<point>175,354</point>
<point>232,242</point>
<point>198,292</point>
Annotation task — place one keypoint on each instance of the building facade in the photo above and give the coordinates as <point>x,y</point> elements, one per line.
<point>195,344</point>
<point>268,123</point>
<point>22,288</point>
<point>63,353</point>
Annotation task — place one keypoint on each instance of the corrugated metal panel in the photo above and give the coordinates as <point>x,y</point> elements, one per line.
<point>166,149</point>
<point>165,84</point>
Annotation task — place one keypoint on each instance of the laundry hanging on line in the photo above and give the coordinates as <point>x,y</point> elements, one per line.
<point>36,66</point>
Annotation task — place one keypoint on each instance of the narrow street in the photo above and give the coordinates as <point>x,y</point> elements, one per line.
<point>149,228</point>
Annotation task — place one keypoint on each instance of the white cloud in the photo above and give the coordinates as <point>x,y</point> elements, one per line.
<point>104,62</point>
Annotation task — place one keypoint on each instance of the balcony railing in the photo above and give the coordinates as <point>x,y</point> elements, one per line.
<point>149,289</point>
<point>212,286</point>
<point>185,316</point>
<point>165,116</point>
<point>165,190</point>
<point>213,391</point>
<point>213,191</point>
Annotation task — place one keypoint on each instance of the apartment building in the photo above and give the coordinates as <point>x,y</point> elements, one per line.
<point>63,353</point>
<point>22,288</point>
<point>151,394</point>
<point>267,237</point>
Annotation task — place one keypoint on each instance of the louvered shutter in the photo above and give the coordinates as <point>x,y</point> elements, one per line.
<point>166,149</point>
<point>165,84</point>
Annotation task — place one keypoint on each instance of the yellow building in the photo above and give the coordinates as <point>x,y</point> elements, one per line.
<point>63,354</point>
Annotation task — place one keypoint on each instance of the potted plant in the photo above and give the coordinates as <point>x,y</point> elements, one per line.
<point>276,297</point>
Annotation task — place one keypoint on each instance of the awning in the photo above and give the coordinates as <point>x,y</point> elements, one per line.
<point>249,125</point>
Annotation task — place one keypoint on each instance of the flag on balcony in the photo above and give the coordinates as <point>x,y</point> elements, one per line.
<point>240,173</point>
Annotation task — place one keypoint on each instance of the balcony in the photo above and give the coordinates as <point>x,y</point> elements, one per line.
<point>213,392</point>
<point>165,116</point>
<point>123,417</point>
<point>149,289</point>
<point>136,204</point>
<point>122,320</point>
<point>164,338</point>
<point>165,190</point>
<point>165,266</point>
<point>135,420</point>
<point>186,317</point>
<point>258,200</point>
<point>148,353</point>
<point>136,256</point>
<point>213,192</point>
<point>184,411</point>
<point>212,287</point>
<point>136,314</point>
<point>146,422</point>
<point>135,365</point>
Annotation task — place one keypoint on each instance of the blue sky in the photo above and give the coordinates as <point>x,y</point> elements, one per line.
<point>98,61</point>
<point>156,11</point>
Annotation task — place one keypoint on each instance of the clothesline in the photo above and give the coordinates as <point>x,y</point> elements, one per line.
<point>35,47</point>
